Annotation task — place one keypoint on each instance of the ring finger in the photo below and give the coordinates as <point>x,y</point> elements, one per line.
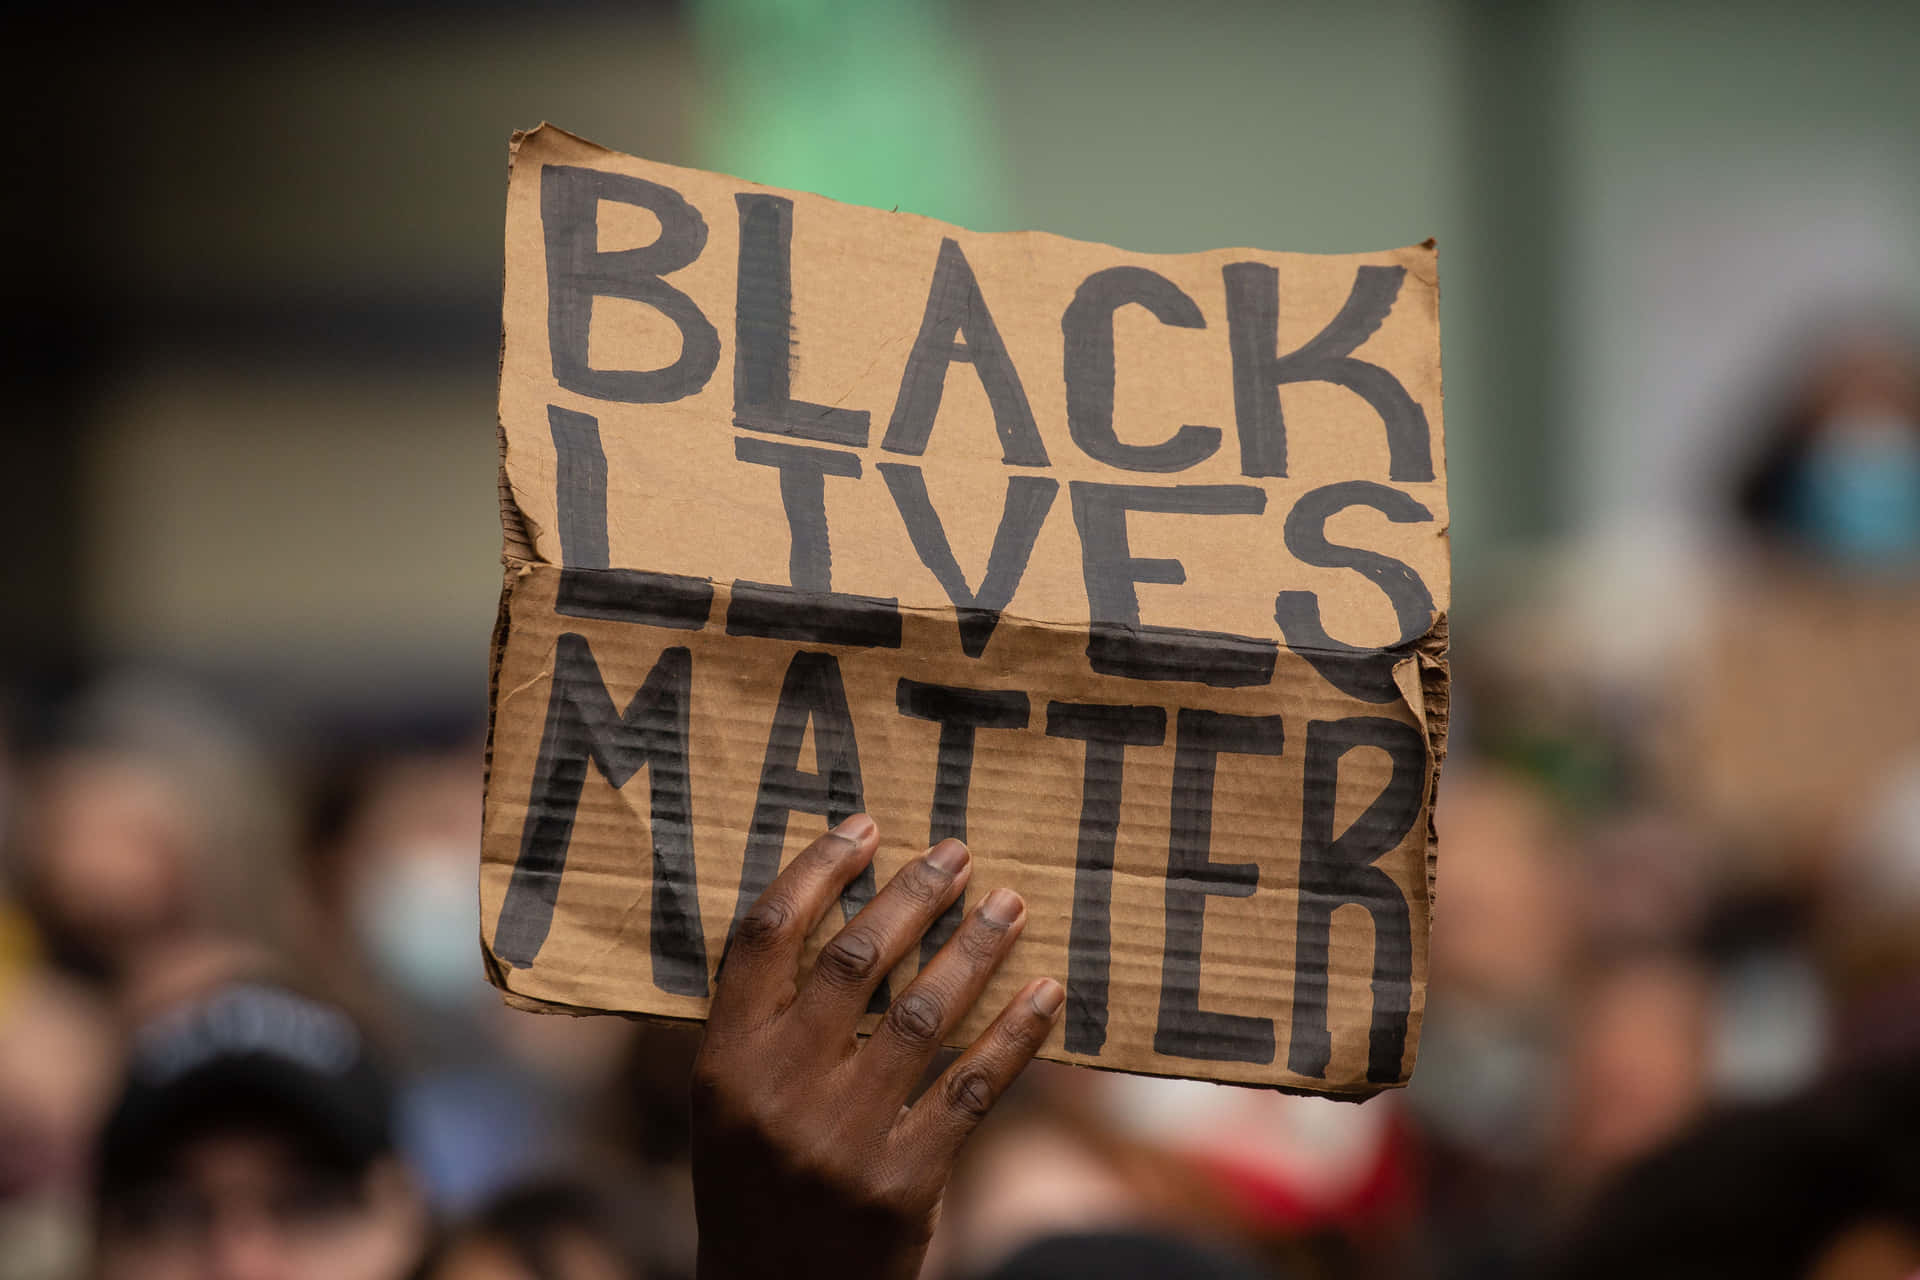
<point>921,1016</point>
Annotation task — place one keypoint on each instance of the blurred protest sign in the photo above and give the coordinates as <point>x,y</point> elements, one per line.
<point>1803,700</point>
<point>1130,570</point>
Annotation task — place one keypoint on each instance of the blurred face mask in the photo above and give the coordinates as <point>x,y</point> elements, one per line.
<point>1857,494</point>
<point>418,917</point>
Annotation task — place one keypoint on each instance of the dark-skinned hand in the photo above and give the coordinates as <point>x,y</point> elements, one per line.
<point>807,1160</point>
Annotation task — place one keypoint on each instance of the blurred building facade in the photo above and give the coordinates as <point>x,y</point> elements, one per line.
<point>254,307</point>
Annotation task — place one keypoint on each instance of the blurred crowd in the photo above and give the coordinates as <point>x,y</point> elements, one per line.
<point>1674,1016</point>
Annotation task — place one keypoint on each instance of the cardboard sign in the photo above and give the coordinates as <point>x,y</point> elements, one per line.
<point>1128,569</point>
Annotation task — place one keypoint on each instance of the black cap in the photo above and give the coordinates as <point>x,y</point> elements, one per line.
<point>247,1058</point>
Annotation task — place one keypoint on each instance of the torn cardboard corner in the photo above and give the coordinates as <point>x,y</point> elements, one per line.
<point>1130,570</point>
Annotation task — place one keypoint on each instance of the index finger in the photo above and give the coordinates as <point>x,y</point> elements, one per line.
<point>763,955</point>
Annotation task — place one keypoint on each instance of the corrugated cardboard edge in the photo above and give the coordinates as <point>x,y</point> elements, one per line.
<point>516,547</point>
<point>1434,704</point>
<point>1010,235</point>
<point>1423,682</point>
<point>1360,1093</point>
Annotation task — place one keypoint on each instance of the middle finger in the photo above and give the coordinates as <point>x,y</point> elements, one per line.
<point>922,1015</point>
<point>861,955</point>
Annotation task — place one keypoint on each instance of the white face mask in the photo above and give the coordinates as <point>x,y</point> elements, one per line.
<point>418,917</point>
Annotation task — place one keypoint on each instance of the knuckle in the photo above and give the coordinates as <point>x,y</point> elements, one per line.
<point>900,1195</point>
<point>916,1017</point>
<point>970,1093</point>
<point>766,922</point>
<point>921,882</point>
<point>852,957</point>
<point>830,848</point>
<point>981,940</point>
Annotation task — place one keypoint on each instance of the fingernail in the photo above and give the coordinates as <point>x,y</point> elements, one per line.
<point>856,828</point>
<point>1002,907</point>
<point>948,857</point>
<point>1048,997</point>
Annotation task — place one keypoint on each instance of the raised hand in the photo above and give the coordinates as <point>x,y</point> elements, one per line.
<point>806,1159</point>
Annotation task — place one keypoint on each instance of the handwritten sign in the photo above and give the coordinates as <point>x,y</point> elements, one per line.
<point>1130,570</point>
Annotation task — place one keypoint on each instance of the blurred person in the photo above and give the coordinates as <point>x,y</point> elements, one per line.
<point>1035,1171</point>
<point>1636,1060</point>
<point>151,843</point>
<point>1770,1024</point>
<point>1868,925</point>
<point>1809,726</point>
<point>1837,477</point>
<point>1556,682</point>
<point>1082,1172</point>
<point>487,1096</point>
<point>552,1229</point>
<point>1324,1185</point>
<point>1503,956</point>
<point>253,1140</point>
<point>1512,930</point>
<point>1803,694</point>
<point>1507,939</point>
<point>1121,1255</point>
<point>59,1065</point>
<point>390,865</point>
<point>110,851</point>
<point>1646,879</point>
<point>1822,1186</point>
<point>640,1120</point>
